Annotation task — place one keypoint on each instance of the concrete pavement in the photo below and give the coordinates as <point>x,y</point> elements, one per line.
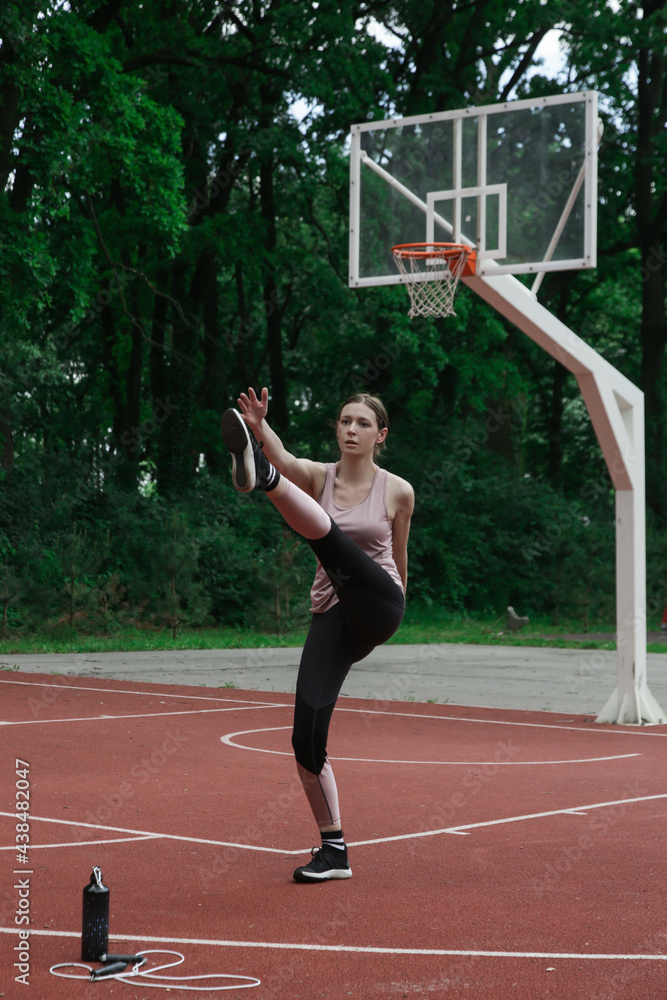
<point>531,678</point>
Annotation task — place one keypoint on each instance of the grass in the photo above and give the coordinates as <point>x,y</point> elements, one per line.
<point>473,631</point>
<point>420,626</point>
<point>132,639</point>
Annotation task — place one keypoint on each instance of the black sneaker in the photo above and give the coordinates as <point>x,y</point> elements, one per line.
<point>251,468</point>
<point>328,862</point>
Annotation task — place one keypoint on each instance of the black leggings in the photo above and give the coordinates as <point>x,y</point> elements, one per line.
<point>369,610</point>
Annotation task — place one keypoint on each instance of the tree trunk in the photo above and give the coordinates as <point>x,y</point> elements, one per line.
<point>652,374</point>
<point>134,373</point>
<point>6,444</point>
<point>555,424</point>
<point>212,394</point>
<point>10,113</point>
<point>175,458</point>
<point>559,379</point>
<point>272,309</point>
<point>158,368</point>
<point>114,381</point>
<point>650,94</point>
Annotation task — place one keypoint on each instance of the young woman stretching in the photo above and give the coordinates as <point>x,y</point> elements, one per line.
<point>356,518</point>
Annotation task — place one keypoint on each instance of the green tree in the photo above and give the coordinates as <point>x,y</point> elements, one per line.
<point>624,58</point>
<point>174,213</point>
<point>79,560</point>
<point>179,594</point>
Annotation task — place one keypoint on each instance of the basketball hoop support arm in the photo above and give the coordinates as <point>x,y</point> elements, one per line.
<point>616,409</point>
<point>565,215</point>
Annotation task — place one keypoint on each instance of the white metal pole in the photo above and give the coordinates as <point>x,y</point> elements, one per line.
<point>558,231</point>
<point>481,182</point>
<point>405,191</point>
<point>355,206</point>
<point>457,173</point>
<point>587,167</point>
<point>616,409</point>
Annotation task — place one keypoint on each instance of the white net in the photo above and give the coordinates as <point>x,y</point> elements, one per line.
<point>432,272</point>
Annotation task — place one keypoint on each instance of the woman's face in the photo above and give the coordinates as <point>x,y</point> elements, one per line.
<point>357,430</point>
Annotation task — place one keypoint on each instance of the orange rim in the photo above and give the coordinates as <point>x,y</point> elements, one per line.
<point>426,250</point>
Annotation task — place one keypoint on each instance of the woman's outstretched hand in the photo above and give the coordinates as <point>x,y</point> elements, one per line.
<point>254,410</point>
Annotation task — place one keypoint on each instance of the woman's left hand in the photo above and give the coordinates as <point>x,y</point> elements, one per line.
<point>254,410</point>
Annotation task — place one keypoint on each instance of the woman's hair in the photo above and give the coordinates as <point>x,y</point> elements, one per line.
<point>377,406</point>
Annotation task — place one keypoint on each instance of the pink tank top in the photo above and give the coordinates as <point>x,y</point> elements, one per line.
<point>367,523</point>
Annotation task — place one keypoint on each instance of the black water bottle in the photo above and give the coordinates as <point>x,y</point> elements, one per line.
<point>95,927</point>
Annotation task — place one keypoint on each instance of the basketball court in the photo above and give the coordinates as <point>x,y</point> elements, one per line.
<point>495,853</point>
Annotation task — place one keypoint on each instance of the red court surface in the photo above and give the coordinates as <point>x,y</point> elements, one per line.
<point>497,855</point>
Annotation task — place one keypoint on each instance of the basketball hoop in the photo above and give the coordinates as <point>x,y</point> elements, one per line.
<point>432,272</point>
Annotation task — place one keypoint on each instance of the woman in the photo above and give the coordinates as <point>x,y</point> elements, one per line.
<point>356,518</point>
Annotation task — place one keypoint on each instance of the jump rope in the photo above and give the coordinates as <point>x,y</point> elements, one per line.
<point>116,967</point>
<point>95,943</point>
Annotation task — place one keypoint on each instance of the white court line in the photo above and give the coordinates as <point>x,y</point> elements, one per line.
<point>229,741</point>
<point>508,819</point>
<point>476,763</point>
<point>462,829</point>
<point>86,843</point>
<point>141,715</point>
<point>600,729</point>
<point>355,949</point>
<point>145,694</point>
<point>153,835</point>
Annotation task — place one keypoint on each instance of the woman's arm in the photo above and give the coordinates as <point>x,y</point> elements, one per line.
<point>402,504</point>
<point>308,476</point>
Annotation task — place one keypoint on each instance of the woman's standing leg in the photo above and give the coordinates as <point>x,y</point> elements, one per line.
<point>325,661</point>
<point>369,609</point>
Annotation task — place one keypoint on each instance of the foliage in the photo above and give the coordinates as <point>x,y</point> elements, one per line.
<point>174,218</point>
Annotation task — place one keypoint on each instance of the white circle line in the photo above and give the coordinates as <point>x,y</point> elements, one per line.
<point>229,741</point>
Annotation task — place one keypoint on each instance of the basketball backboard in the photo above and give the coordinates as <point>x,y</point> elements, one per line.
<point>516,181</point>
